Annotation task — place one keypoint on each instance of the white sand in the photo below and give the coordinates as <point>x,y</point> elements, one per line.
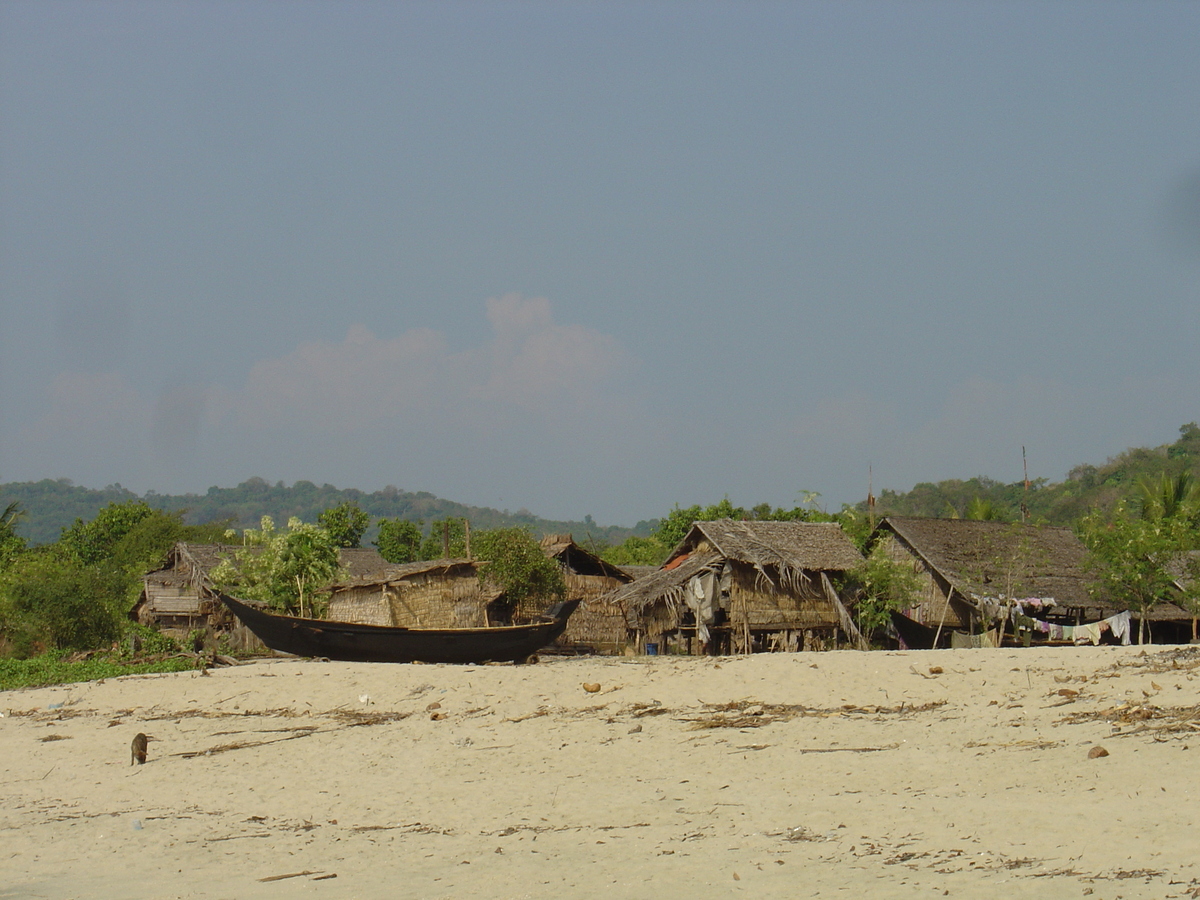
<point>968,783</point>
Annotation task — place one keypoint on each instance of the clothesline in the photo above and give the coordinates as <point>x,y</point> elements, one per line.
<point>1090,632</point>
<point>998,606</point>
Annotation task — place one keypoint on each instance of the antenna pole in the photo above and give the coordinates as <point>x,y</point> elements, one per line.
<point>870,498</point>
<point>1024,505</point>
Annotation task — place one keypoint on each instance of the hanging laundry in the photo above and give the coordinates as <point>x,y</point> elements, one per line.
<point>1120,624</point>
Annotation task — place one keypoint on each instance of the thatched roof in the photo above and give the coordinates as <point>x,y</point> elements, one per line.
<point>1180,568</point>
<point>361,562</point>
<point>999,559</point>
<point>1004,559</point>
<point>636,572</point>
<point>407,570</point>
<point>190,563</point>
<point>812,546</point>
<point>782,551</point>
<point>573,558</point>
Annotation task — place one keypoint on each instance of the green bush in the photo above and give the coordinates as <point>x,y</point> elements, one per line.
<point>141,640</point>
<point>47,602</point>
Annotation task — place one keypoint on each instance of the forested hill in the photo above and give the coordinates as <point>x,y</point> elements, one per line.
<point>1086,487</point>
<point>52,505</point>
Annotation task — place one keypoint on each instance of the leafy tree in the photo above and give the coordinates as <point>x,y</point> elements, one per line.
<point>345,522</point>
<point>884,585</point>
<point>51,602</point>
<point>146,544</point>
<point>858,526</point>
<point>308,560</point>
<point>678,523</point>
<point>1188,444</point>
<point>281,569</point>
<point>399,541</point>
<point>93,542</point>
<point>637,551</point>
<point>516,565</point>
<point>1131,557</point>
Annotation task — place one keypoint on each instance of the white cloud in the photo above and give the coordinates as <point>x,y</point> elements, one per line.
<point>534,360</point>
<point>531,363</point>
<point>357,382</point>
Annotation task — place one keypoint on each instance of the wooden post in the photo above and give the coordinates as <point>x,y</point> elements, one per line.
<point>446,539</point>
<point>467,536</point>
<point>848,625</point>
<point>945,609</point>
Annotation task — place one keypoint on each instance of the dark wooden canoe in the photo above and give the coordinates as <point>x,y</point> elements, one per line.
<point>350,642</point>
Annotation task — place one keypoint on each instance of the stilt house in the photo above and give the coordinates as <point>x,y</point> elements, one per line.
<point>740,587</point>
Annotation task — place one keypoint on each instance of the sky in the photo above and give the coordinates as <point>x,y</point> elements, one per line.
<point>595,258</point>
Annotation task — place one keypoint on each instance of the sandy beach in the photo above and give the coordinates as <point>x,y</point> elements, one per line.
<point>968,773</point>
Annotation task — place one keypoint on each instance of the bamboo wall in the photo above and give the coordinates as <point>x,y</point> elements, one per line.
<point>934,608</point>
<point>596,624</point>
<point>425,600</point>
<point>755,603</point>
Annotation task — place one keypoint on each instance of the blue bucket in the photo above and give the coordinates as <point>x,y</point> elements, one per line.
<point>652,649</point>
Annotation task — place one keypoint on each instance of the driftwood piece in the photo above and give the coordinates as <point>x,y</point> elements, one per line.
<point>289,875</point>
<point>242,745</point>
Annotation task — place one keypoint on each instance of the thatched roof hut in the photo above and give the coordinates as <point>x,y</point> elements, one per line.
<point>972,570</point>
<point>744,586</point>
<point>597,624</point>
<point>439,593</point>
<point>179,598</point>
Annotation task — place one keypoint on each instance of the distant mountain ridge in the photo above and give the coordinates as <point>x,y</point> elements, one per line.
<point>52,505</point>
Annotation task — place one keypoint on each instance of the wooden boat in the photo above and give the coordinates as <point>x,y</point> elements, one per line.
<point>351,642</point>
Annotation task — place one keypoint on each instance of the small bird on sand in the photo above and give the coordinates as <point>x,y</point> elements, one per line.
<point>139,748</point>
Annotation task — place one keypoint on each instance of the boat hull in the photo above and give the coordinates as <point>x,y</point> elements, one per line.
<point>351,642</point>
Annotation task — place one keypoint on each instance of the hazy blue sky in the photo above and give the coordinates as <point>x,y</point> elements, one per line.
<point>595,258</point>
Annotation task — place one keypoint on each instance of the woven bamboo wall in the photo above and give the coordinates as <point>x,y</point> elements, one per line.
<point>427,600</point>
<point>934,608</point>
<point>752,602</point>
<point>595,624</point>
<point>659,619</point>
<point>362,605</point>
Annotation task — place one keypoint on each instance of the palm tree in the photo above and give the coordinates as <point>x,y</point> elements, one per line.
<point>13,513</point>
<point>981,509</point>
<point>1168,496</point>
